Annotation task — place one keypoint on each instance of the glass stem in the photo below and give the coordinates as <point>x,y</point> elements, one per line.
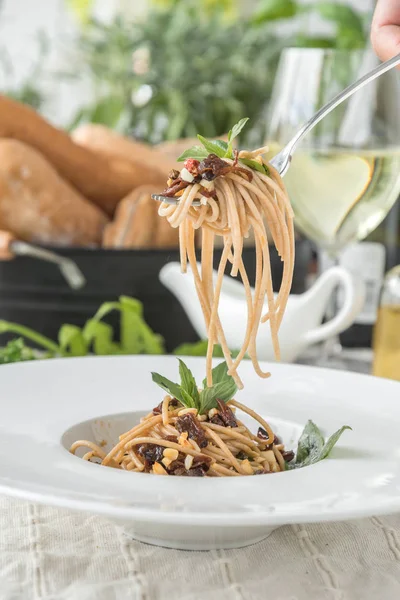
<point>332,346</point>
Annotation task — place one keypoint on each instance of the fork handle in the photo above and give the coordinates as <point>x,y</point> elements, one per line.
<point>341,97</point>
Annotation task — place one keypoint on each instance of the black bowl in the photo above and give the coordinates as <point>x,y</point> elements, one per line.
<point>35,294</point>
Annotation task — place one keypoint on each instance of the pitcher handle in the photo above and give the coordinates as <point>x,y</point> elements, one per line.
<point>354,292</point>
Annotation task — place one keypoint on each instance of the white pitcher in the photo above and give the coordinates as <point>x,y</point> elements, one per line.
<point>301,325</point>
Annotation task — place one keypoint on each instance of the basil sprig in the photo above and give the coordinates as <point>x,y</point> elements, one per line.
<point>223,149</point>
<point>188,394</point>
<point>312,447</point>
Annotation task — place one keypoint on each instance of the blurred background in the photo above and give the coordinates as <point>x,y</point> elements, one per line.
<point>122,78</point>
<point>115,61</point>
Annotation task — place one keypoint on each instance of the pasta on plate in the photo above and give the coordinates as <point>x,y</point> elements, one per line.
<point>196,430</point>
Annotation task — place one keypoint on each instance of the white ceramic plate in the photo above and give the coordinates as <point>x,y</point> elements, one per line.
<point>48,404</point>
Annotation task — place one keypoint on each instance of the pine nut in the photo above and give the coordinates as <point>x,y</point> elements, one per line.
<point>194,445</point>
<point>159,469</point>
<point>245,464</point>
<point>188,462</point>
<point>171,453</point>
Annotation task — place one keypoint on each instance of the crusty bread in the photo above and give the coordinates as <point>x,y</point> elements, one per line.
<point>37,205</point>
<point>137,224</point>
<point>106,141</point>
<point>6,240</point>
<point>100,178</point>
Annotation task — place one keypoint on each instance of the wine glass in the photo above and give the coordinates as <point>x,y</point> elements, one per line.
<point>345,177</point>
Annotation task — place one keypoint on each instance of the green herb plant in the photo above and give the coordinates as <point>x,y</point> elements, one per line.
<point>96,336</point>
<point>222,149</point>
<point>16,351</point>
<point>187,392</point>
<point>195,72</point>
<point>204,68</point>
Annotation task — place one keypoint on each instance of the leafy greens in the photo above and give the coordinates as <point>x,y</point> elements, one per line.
<point>16,351</point>
<point>96,336</point>
<point>312,447</point>
<point>187,392</point>
<point>223,149</point>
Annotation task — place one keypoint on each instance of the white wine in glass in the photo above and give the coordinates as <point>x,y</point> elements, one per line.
<point>345,177</point>
<point>340,196</point>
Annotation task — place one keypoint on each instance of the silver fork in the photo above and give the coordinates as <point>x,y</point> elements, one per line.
<point>281,162</point>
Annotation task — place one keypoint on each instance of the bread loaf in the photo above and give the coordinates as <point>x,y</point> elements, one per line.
<point>100,178</point>
<point>106,141</point>
<point>37,205</point>
<point>137,224</point>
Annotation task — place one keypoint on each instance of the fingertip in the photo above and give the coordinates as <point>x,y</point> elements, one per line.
<point>386,41</point>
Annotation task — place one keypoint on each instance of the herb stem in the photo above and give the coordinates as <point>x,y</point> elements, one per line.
<point>37,338</point>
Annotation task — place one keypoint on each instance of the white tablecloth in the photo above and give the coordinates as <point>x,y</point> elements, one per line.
<point>52,554</point>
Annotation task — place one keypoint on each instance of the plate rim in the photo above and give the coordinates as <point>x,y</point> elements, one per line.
<point>45,494</point>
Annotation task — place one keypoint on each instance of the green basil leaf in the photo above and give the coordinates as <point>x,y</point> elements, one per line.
<point>188,382</point>
<point>219,373</point>
<point>224,386</point>
<point>223,146</point>
<point>187,400</point>
<point>135,335</point>
<point>312,448</point>
<point>237,129</point>
<point>132,304</point>
<point>130,330</point>
<point>225,390</point>
<point>333,440</point>
<point>310,445</point>
<point>197,152</point>
<point>173,389</point>
<point>106,308</point>
<point>256,166</point>
<point>234,132</point>
<point>217,147</point>
<point>71,341</point>
<point>207,400</point>
<point>100,336</point>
